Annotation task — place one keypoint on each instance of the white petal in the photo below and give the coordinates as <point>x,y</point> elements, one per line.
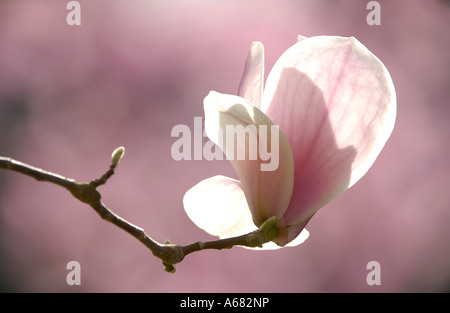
<point>223,116</point>
<point>218,206</point>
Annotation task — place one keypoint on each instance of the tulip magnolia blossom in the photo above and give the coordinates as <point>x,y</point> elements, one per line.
<point>335,105</point>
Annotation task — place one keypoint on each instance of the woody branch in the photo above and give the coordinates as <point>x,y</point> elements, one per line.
<point>170,254</point>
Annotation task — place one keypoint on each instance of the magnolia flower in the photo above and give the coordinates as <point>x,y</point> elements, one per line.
<point>335,105</point>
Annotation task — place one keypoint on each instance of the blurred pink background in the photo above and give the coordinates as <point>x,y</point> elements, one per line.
<point>69,95</point>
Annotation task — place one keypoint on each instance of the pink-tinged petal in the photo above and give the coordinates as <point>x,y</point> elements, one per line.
<point>294,232</point>
<point>299,239</point>
<point>218,206</point>
<point>336,103</point>
<point>252,82</point>
<point>295,241</point>
<point>268,192</point>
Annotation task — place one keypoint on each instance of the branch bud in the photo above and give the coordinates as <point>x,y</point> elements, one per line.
<point>117,155</point>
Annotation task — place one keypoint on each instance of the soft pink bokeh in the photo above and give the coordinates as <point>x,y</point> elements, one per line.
<point>70,95</point>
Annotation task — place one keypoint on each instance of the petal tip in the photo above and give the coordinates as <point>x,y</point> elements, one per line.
<point>300,38</point>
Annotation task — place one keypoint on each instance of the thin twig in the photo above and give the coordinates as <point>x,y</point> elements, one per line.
<point>169,254</point>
